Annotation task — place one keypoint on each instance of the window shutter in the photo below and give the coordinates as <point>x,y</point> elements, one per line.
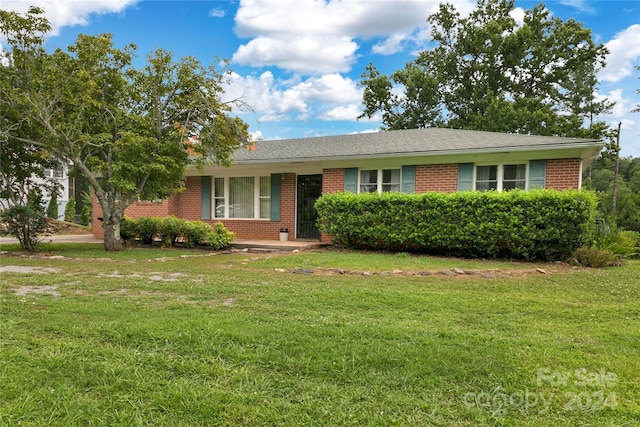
<point>351,180</point>
<point>537,173</point>
<point>408,179</point>
<point>465,176</point>
<point>275,197</point>
<point>205,187</point>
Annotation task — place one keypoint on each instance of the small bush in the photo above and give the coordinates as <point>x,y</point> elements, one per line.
<point>147,228</point>
<point>70,210</point>
<point>173,231</point>
<point>128,230</point>
<point>594,257</point>
<point>52,207</point>
<point>170,229</point>
<point>85,215</point>
<point>25,224</point>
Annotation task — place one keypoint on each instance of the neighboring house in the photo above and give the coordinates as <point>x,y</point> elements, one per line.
<point>60,176</point>
<point>276,186</point>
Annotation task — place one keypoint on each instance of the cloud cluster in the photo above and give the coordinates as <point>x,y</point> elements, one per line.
<point>624,51</point>
<point>276,99</point>
<point>68,13</point>
<point>316,36</point>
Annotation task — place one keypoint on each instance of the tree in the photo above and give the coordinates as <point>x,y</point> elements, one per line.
<point>22,164</point>
<point>131,133</point>
<point>52,207</point>
<point>487,73</point>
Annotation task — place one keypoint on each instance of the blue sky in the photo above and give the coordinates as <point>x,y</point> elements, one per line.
<point>298,62</point>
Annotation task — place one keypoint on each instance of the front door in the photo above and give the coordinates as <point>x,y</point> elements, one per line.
<point>309,189</point>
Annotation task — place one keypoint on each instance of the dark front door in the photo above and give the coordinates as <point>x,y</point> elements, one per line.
<point>309,188</point>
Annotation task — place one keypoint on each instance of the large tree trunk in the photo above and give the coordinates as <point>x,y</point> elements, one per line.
<point>112,242</point>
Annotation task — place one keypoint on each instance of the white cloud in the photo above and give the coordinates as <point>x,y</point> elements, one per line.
<point>68,12</point>
<point>581,5</point>
<point>624,51</point>
<point>275,99</point>
<point>217,13</point>
<point>347,112</point>
<point>309,55</point>
<point>315,37</point>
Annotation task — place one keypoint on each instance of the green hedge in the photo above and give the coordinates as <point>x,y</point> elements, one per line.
<point>172,231</point>
<point>539,224</point>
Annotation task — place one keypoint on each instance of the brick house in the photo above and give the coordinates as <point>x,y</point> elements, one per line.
<point>276,186</point>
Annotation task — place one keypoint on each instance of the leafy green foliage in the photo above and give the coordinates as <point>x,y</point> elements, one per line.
<point>487,72</point>
<point>70,210</point>
<point>594,257</point>
<point>173,231</point>
<point>52,207</point>
<point>86,215</point>
<point>539,224</point>
<point>137,129</point>
<point>600,179</point>
<point>25,224</point>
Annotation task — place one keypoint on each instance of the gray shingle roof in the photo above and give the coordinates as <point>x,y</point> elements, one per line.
<point>400,143</point>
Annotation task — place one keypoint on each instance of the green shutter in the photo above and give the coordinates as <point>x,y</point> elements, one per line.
<point>408,179</point>
<point>351,180</point>
<point>465,176</point>
<point>537,173</point>
<point>205,187</point>
<point>275,197</point>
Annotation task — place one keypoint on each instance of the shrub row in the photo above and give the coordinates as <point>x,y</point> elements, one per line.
<point>172,231</point>
<point>539,224</point>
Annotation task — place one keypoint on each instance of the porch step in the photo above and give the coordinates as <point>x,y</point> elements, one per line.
<point>276,245</point>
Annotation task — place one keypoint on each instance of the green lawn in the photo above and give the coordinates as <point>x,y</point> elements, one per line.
<point>166,337</point>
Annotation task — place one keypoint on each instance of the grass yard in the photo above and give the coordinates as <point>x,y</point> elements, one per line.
<point>178,337</point>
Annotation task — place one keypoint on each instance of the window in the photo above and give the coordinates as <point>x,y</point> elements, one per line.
<point>486,178</point>
<point>501,177</point>
<point>240,197</point>
<point>514,177</point>
<point>379,180</point>
<point>218,197</point>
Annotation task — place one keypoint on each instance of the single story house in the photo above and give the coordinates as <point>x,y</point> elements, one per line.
<point>275,186</point>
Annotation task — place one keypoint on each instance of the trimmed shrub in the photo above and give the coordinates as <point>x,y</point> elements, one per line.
<point>52,207</point>
<point>70,210</point>
<point>128,230</point>
<point>85,215</point>
<point>174,231</point>
<point>147,228</point>
<point>170,229</point>
<point>539,224</point>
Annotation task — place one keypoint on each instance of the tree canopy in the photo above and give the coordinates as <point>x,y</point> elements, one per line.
<point>131,132</point>
<point>488,72</point>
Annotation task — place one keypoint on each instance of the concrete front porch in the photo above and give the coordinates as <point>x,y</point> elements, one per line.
<point>289,245</point>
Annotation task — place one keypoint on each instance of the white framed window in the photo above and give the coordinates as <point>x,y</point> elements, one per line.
<point>379,180</point>
<point>242,197</point>
<point>501,177</point>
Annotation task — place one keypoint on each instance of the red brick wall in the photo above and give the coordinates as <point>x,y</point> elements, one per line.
<point>189,202</point>
<point>332,180</point>
<point>437,178</point>
<point>563,174</point>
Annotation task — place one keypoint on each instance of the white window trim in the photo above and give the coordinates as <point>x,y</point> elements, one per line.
<point>379,178</point>
<point>256,198</point>
<point>500,173</point>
